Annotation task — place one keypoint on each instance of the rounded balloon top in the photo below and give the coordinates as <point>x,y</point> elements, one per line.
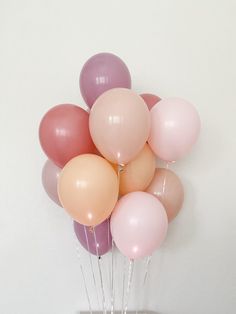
<point>100,73</point>
<point>119,124</point>
<point>175,126</point>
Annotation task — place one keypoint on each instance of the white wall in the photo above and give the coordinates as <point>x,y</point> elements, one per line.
<point>173,48</point>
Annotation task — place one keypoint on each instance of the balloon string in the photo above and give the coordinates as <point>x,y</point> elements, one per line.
<point>110,264</point>
<point>147,267</point>
<point>108,233</point>
<point>129,282</point>
<point>123,286</point>
<point>112,279</point>
<point>84,281</point>
<point>91,265</point>
<point>120,168</point>
<point>100,274</point>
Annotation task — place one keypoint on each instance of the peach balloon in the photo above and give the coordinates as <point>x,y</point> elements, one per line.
<point>167,187</point>
<point>88,189</point>
<point>137,175</point>
<point>119,124</point>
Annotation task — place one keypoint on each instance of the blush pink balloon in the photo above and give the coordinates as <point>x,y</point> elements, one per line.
<point>119,124</point>
<point>100,73</point>
<point>175,126</point>
<point>50,175</point>
<point>138,224</point>
<point>64,133</point>
<point>150,100</point>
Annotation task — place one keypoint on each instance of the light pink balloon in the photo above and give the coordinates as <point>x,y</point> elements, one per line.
<point>50,175</point>
<point>119,124</point>
<point>175,126</point>
<point>138,224</point>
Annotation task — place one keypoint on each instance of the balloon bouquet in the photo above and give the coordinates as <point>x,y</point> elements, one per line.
<point>102,163</point>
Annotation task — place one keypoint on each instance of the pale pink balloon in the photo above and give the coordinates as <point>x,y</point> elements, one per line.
<point>138,224</point>
<point>175,126</point>
<point>50,175</point>
<point>119,124</point>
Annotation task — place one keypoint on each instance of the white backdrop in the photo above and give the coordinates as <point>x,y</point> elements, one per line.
<point>172,48</point>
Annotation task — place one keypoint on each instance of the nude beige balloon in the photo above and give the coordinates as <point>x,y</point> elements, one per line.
<point>88,189</point>
<point>137,175</point>
<point>119,124</point>
<point>167,187</point>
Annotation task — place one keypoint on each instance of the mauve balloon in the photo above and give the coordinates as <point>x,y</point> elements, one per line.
<point>103,237</point>
<point>150,100</point>
<point>64,133</point>
<point>100,73</point>
<point>50,174</point>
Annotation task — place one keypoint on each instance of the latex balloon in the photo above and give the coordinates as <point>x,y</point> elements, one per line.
<point>97,240</point>
<point>167,187</point>
<point>88,189</point>
<point>137,174</point>
<point>150,99</point>
<point>100,73</point>
<point>64,133</point>
<point>119,124</point>
<point>138,224</point>
<point>175,127</point>
<point>50,175</point>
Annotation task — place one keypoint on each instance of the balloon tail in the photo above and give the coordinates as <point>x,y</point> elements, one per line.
<point>100,274</point>
<point>84,280</point>
<point>119,170</point>
<point>91,265</point>
<point>147,269</point>
<point>123,286</point>
<point>129,282</point>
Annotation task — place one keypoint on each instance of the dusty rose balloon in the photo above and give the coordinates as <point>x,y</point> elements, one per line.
<point>50,175</point>
<point>88,189</point>
<point>119,124</point>
<point>64,133</point>
<point>137,174</point>
<point>138,224</point>
<point>167,187</point>
<point>175,126</point>
<point>97,242</point>
<point>150,99</point>
<point>100,73</point>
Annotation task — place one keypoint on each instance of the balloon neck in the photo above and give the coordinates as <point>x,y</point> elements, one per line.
<point>91,229</point>
<point>120,167</point>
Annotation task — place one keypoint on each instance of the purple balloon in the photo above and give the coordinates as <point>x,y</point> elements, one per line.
<point>100,73</point>
<point>50,174</point>
<point>103,237</point>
